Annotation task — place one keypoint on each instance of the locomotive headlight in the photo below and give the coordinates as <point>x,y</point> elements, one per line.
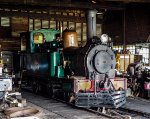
<point>104,38</point>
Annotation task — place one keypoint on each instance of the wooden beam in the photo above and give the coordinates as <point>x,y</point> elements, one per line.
<point>128,1</point>
<point>43,16</point>
<point>60,4</point>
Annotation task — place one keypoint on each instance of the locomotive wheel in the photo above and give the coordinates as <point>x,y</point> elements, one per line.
<point>35,87</point>
<point>49,90</point>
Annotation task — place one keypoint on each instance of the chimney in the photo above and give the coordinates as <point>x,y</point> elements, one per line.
<point>91,23</point>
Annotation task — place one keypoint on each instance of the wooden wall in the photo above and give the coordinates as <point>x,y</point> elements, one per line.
<point>18,25</point>
<point>5,31</point>
<point>74,19</point>
<point>113,26</point>
<point>137,24</point>
<point>9,44</point>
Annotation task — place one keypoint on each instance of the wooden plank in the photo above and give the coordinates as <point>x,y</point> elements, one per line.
<point>78,30</point>
<point>10,44</point>
<point>43,16</point>
<point>18,25</point>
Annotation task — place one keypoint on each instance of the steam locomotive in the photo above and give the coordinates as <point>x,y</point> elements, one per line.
<point>85,75</point>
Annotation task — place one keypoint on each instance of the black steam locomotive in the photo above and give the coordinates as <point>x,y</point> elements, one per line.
<point>84,75</point>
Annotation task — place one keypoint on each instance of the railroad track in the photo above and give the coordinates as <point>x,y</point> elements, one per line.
<point>82,108</point>
<point>132,112</point>
<point>113,113</point>
<point>108,113</point>
<point>63,109</point>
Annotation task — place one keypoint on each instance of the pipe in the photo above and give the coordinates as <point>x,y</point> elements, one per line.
<point>91,23</point>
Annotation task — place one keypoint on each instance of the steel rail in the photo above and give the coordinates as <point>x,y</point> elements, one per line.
<point>122,112</point>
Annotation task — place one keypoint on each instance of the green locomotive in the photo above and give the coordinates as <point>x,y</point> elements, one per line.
<point>44,66</point>
<point>85,75</point>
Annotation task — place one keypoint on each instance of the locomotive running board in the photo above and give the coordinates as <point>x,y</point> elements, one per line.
<point>101,99</point>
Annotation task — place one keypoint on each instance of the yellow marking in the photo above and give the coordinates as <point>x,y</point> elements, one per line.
<point>1,61</point>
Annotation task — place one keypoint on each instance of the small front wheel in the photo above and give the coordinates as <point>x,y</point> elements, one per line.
<point>49,89</point>
<point>35,87</point>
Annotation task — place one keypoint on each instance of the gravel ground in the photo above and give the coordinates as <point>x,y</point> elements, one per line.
<point>51,109</point>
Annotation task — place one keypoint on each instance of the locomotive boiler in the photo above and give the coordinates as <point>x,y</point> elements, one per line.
<point>88,75</point>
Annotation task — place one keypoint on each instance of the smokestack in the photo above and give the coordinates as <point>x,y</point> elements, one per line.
<point>91,23</point>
